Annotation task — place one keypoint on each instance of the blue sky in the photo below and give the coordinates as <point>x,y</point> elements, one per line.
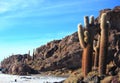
<point>27,24</point>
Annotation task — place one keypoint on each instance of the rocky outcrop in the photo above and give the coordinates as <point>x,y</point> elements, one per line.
<point>17,64</point>
<point>20,69</point>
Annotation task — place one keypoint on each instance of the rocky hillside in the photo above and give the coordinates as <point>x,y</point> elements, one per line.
<point>64,54</point>
<point>58,54</point>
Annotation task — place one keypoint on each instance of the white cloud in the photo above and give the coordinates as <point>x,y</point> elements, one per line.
<point>25,8</point>
<point>13,5</point>
<point>13,10</point>
<point>10,9</point>
<point>4,7</point>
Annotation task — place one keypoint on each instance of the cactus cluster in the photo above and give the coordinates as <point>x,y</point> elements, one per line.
<point>86,38</point>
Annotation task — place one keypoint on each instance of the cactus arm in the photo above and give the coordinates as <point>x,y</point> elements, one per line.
<point>86,37</point>
<point>86,22</point>
<point>96,60</point>
<point>92,20</point>
<point>98,42</point>
<point>96,49</point>
<point>81,36</point>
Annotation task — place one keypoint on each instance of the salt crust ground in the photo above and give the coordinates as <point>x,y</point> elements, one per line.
<point>4,78</point>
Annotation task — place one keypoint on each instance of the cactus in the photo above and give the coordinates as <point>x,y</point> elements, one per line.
<point>103,44</point>
<point>118,45</point>
<point>29,52</point>
<point>86,42</point>
<point>96,49</point>
<point>33,54</point>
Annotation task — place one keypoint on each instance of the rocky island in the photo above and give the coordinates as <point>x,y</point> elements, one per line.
<point>65,56</point>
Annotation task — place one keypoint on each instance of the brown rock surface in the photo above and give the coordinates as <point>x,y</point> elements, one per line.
<point>18,65</point>
<point>20,69</point>
<point>59,54</point>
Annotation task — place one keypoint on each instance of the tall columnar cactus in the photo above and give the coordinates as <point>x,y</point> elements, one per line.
<point>86,41</point>
<point>29,52</point>
<point>103,44</point>
<point>33,54</point>
<point>96,49</point>
<point>28,55</point>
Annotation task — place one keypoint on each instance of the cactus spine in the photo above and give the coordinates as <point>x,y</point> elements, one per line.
<point>103,45</point>
<point>86,42</point>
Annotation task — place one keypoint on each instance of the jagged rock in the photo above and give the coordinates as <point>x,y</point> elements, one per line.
<point>112,71</point>
<point>16,64</point>
<point>20,69</point>
<point>59,54</point>
<point>51,51</point>
<point>117,59</point>
<point>93,78</point>
<point>115,79</point>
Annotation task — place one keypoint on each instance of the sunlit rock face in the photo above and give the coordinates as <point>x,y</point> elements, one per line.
<point>58,54</point>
